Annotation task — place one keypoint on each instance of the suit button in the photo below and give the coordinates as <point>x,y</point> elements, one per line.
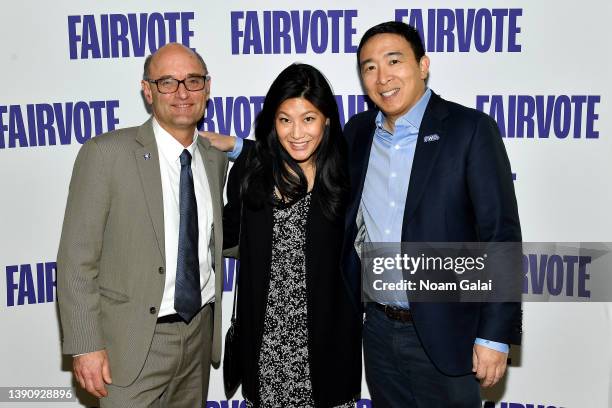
<point>161,270</point>
<point>152,310</point>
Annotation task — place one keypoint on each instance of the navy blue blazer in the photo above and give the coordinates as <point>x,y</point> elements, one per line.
<point>460,190</point>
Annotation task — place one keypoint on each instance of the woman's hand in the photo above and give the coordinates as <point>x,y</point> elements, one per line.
<point>221,142</point>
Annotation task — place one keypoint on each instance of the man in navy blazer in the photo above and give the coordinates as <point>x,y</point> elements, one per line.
<point>426,170</point>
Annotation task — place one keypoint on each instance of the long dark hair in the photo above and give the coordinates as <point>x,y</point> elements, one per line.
<point>271,166</point>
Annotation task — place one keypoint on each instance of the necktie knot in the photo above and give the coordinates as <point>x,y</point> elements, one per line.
<point>185,158</point>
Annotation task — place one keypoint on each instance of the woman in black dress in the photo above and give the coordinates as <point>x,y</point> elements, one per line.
<point>300,331</point>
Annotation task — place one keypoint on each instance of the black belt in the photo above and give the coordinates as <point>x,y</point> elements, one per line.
<point>394,313</point>
<point>173,318</point>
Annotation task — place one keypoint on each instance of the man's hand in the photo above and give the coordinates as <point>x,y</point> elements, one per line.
<point>221,142</point>
<point>92,372</point>
<point>488,364</point>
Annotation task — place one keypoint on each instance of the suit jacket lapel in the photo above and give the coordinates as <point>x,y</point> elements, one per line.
<point>214,167</point>
<point>213,177</point>
<point>147,159</point>
<point>425,155</point>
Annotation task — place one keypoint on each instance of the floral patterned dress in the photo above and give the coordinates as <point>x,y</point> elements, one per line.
<point>284,371</point>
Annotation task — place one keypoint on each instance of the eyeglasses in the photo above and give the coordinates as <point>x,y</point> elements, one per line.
<point>171,85</point>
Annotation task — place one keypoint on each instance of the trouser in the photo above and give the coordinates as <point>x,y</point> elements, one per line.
<point>176,371</point>
<point>400,374</point>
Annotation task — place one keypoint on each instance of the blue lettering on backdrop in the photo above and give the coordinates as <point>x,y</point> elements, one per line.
<point>286,32</point>
<point>451,30</point>
<point>551,274</point>
<point>34,284</point>
<point>126,35</point>
<point>55,123</point>
<point>364,403</point>
<point>30,284</point>
<point>537,116</point>
<point>350,105</point>
<point>62,123</point>
<point>230,271</point>
<point>235,114</point>
<point>225,404</point>
<point>491,404</point>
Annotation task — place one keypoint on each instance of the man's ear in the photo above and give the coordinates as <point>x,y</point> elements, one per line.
<point>207,89</point>
<point>424,66</point>
<point>146,90</point>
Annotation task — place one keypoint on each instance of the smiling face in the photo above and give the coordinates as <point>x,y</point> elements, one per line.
<point>300,127</point>
<point>392,77</point>
<point>181,110</point>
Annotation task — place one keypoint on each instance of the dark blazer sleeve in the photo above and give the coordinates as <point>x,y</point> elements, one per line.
<point>349,131</point>
<point>233,208</point>
<point>491,187</point>
<point>491,191</point>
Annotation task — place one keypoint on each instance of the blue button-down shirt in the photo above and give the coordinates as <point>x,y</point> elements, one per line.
<point>386,186</point>
<point>233,155</point>
<point>386,183</point>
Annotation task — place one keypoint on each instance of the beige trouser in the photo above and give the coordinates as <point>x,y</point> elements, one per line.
<point>176,371</point>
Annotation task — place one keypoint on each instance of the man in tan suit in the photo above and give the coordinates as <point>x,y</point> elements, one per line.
<point>139,262</point>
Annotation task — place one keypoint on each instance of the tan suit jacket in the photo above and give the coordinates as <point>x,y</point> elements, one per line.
<point>111,260</point>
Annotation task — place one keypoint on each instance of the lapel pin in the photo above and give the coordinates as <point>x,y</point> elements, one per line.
<point>147,156</point>
<point>431,138</point>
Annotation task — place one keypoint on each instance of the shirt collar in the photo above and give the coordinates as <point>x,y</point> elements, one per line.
<point>169,147</point>
<point>413,117</point>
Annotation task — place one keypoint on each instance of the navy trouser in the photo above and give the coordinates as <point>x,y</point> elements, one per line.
<point>400,374</point>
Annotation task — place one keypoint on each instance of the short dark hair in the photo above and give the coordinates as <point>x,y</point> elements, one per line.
<point>273,167</point>
<point>147,63</point>
<point>408,32</point>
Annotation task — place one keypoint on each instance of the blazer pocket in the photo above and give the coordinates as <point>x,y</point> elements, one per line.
<point>113,296</point>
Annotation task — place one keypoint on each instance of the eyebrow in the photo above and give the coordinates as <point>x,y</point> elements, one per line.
<point>311,112</point>
<point>389,54</point>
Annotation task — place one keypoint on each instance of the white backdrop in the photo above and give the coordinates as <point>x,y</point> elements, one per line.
<point>64,56</point>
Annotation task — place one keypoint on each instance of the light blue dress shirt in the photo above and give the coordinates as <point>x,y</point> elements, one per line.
<point>386,182</point>
<point>233,155</point>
